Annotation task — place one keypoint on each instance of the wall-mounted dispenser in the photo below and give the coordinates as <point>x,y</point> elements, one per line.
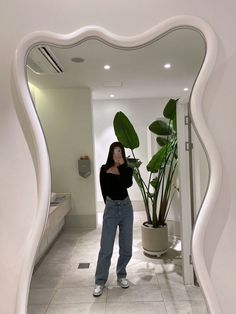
<point>84,166</point>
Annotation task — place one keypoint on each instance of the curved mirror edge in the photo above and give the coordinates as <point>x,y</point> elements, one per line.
<point>203,32</point>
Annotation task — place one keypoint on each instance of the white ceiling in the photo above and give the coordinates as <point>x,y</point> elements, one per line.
<point>140,73</point>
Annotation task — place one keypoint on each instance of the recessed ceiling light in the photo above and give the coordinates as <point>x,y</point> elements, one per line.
<point>167,66</point>
<point>77,59</point>
<point>112,95</point>
<point>107,67</point>
<point>186,89</point>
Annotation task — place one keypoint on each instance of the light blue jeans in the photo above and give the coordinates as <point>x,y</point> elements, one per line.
<point>117,213</point>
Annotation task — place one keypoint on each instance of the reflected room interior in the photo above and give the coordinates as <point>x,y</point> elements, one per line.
<point>77,92</point>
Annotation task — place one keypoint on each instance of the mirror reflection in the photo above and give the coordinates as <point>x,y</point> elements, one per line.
<point>77,92</point>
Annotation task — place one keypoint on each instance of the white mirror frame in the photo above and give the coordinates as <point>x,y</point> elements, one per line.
<point>36,142</point>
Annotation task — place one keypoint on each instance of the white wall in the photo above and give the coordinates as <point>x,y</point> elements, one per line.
<point>125,18</point>
<point>141,113</point>
<point>66,117</point>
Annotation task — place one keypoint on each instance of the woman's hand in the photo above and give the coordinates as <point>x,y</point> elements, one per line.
<point>119,161</point>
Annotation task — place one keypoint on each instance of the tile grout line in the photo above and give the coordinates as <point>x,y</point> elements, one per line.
<point>161,294</point>
<point>58,286</point>
<point>55,291</point>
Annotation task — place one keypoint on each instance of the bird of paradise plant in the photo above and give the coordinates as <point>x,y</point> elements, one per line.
<point>157,193</point>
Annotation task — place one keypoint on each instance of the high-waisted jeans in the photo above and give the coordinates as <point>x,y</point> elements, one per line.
<point>117,213</point>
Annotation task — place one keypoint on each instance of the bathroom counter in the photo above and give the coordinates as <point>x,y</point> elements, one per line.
<point>56,220</point>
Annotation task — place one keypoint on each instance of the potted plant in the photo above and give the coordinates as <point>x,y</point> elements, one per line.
<point>159,191</point>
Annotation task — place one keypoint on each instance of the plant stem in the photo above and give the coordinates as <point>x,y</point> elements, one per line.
<point>164,201</point>
<point>156,193</point>
<point>167,211</point>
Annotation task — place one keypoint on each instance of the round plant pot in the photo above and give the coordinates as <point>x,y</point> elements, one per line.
<point>154,240</point>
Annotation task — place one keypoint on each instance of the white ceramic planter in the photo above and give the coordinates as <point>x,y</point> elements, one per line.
<point>155,240</point>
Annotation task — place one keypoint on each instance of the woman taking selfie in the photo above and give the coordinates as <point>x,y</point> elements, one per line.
<point>115,178</point>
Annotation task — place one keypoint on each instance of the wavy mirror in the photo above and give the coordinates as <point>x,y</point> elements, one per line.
<point>76,91</point>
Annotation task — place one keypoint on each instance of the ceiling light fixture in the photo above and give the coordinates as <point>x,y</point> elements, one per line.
<point>112,95</point>
<point>107,67</point>
<point>186,89</point>
<point>167,66</point>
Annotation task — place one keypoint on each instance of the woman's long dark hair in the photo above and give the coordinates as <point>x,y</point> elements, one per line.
<point>110,162</point>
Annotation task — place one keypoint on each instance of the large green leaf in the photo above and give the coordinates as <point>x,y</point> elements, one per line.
<point>159,159</point>
<point>169,111</point>
<point>137,178</point>
<point>175,124</point>
<point>125,131</point>
<point>160,127</point>
<point>162,141</point>
<point>156,182</point>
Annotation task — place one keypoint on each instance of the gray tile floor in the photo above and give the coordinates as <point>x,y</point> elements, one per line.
<point>156,284</point>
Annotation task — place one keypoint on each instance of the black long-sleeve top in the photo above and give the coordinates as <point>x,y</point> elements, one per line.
<point>115,186</point>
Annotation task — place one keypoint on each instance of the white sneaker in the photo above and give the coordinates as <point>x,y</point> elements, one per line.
<point>98,290</point>
<point>123,282</point>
